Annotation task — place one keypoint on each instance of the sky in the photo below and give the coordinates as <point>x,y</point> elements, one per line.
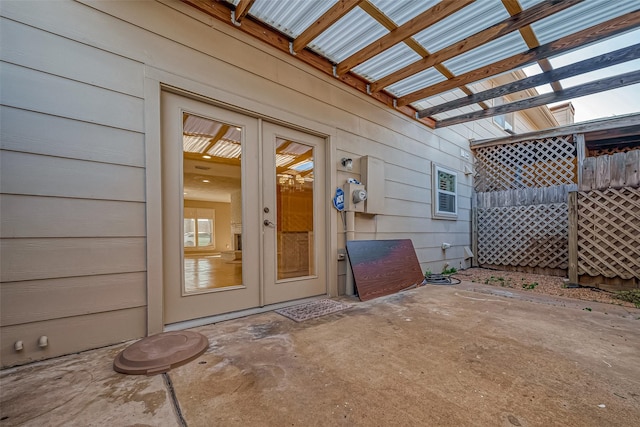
<point>616,102</point>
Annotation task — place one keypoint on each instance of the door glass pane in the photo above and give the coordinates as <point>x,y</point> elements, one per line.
<point>295,221</point>
<point>212,204</point>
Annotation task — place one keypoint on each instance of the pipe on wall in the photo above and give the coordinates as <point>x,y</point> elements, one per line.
<point>350,234</point>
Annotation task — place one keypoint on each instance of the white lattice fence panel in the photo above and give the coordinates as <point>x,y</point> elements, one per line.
<point>609,232</point>
<point>525,236</point>
<point>539,163</point>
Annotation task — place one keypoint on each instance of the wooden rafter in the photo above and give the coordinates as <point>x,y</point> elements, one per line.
<point>242,9</point>
<point>268,35</point>
<point>513,23</point>
<point>601,85</point>
<point>514,7</point>
<point>597,32</point>
<point>217,137</point>
<point>336,12</point>
<point>596,63</point>
<point>301,158</point>
<point>403,32</point>
<point>215,159</point>
<point>384,20</point>
<point>520,20</point>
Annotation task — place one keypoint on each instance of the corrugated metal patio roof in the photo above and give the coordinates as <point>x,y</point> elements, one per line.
<point>405,51</point>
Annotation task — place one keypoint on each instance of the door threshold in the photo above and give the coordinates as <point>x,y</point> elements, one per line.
<point>188,324</point>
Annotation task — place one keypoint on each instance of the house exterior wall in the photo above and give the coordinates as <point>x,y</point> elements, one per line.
<point>80,160</point>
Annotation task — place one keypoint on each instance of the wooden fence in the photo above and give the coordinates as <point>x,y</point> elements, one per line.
<point>524,230</point>
<point>544,162</point>
<point>604,223</point>
<point>520,206</point>
<point>529,214</point>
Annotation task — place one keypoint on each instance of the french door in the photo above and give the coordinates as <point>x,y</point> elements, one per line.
<point>294,221</point>
<point>243,201</point>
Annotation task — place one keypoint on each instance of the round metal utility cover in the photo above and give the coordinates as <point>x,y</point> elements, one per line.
<point>159,353</point>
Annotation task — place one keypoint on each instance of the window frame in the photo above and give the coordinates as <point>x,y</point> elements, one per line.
<point>505,121</point>
<point>437,213</point>
<point>193,213</point>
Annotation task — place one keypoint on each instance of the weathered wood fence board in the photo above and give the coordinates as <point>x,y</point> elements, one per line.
<point>616,171</point>
<point>524,196</point>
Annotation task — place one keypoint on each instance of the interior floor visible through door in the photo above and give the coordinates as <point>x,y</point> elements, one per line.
<point>202,272</point>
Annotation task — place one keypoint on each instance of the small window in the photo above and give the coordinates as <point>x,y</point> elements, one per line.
<point>199,228</point>
<point>505,121</point>
<point>445,193</point>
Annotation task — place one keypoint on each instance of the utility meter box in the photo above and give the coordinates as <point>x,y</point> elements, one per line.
<point>354,197</point>
<point>372,175</point>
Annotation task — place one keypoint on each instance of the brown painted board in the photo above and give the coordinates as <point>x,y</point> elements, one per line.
<point>383,267</point>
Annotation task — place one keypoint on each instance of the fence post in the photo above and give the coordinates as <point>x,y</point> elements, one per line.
<point>581,153</point>
<point>573,237</point>
<point>474,233</point>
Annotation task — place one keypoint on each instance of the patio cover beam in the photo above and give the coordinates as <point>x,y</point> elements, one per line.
<point>597,32</point>
<point>513,7</point>
<point>242,9</point>
<point>329,18</point>
<point>596,63</point>
<point>275,39</point>
<point>513,23</point>
<point>601,85</point>
<point>386,22</point>
<point>403,32</point>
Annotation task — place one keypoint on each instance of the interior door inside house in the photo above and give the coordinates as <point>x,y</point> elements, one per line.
<point>242,211</point>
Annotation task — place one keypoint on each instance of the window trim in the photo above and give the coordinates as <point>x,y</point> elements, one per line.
<point>437,213</point>
<point>509,119</point>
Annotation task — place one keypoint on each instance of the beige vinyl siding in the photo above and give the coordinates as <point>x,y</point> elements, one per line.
<point>39,133</point>
<point>407,192</point>
<point>36,216</point>
<point>73,334</point>
<point>79,117</point>
<point>72,202</point>
<point>31,174</point>
<point>46,93</point>
<point>30,259</point>
<point>70,296</point>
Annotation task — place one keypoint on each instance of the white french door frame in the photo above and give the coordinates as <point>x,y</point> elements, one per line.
<point>158,80</point>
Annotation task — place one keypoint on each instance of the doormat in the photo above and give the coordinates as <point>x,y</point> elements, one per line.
<point>313,309</point>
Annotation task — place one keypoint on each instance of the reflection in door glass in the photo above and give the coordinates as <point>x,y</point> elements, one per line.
<point>212,204</point>
<point>294,185</point>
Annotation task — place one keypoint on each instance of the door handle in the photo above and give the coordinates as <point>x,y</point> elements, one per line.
<point>268,223</point>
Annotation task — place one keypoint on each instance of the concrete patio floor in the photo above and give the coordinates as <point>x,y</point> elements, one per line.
<point>434,356</point>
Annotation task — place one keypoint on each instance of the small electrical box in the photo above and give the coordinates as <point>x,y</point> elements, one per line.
<point>372,173</point>
<point>354,197</point>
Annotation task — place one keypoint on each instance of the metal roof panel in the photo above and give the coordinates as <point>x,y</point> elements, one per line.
<point>439,99</point>
<point>488,53</point>
<point>291,17</point>
<point>351,33</point>
<point>401,11</point>
<point>417,81</point>
<point>580,17</point>
<point>462,24</point>
<point>387,62</point>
